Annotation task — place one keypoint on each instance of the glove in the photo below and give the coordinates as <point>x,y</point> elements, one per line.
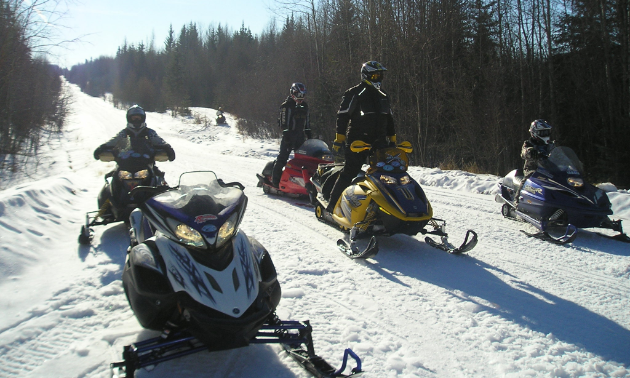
<point>171,154</point>
<point>338,143</point>
<point>392,140</point>
<point>533,153</point>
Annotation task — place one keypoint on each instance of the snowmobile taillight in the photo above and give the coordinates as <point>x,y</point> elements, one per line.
<point>575,181</point>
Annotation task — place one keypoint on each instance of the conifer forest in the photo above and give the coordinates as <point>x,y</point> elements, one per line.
<point>466,77</point>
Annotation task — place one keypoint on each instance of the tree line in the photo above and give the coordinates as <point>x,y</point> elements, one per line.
<point>466,77</point>
<point>31,96</point>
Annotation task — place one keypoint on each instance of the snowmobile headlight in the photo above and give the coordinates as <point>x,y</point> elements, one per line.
<point>388,179</point>
<point>125,175</point>
<point>575,181</point>
<point>297,180</point>
<point>227,230</point>
<point>142,174</point>
<point>189,236</point>
<point>405,180</point>
<point>328,157</point>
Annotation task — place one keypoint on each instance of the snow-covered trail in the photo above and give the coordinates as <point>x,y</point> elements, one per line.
<point>513,307</point>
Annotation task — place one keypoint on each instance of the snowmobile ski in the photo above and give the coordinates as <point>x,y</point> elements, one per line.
<point>569,235</point>
<point>319,368</point>
<point>445,245</point>
<point>352,251</point>
<point>295,338</point>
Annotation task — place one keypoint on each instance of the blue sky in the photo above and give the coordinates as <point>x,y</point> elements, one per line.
<point>104,25</point>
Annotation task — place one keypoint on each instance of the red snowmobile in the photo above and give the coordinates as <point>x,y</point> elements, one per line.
<point>298,171</point>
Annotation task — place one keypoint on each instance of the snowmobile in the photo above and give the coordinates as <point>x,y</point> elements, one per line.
<point>297,174</point>
<point>556,199</point>
<point>193,275</point>
<point>385,200</point>
<point>220,119</point>
<point>135,165</point>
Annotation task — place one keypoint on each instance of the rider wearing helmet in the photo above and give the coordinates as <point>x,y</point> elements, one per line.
<point>538,146</point>
<point>364,114</point>
<point>137,128</point>
<point>296,126</point>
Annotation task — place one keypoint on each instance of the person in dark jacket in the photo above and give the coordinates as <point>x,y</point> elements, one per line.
<point>295,124</point>
<point>137,128</point>
<point>538,146</point>
<point>364,114</point>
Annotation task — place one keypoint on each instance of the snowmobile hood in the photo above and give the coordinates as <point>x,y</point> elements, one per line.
<point>230,291</point>
<point>315,149</point>
<point>204,205</point>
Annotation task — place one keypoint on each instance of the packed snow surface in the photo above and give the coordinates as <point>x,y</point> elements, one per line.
<point>512,307</point>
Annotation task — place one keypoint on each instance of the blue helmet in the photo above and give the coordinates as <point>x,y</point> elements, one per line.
<point>540,130</point>
<point>298,91</point>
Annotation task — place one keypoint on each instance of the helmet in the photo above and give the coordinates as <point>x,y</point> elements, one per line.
<point>540,130</point>
<point>298,92</point>
<point>372,73</point>
<point>136,117</point>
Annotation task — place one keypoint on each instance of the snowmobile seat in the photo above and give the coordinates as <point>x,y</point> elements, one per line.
<point>512,180</point>
<point>359,177</point>
<point>328,175</point>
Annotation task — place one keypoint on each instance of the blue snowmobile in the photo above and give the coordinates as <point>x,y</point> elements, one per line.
<point>557,200</point>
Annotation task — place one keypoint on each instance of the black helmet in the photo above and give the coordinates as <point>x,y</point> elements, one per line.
<point>540,130</point>
<point>136,117</point>
<point>298,91</point>
<point>372,73</point>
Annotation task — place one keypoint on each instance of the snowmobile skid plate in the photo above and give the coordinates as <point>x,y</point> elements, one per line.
<point>294,336</point>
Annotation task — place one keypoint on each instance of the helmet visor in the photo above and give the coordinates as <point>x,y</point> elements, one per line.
<point>136,118</point>
<point>375,76</point>
<point>544,133</point>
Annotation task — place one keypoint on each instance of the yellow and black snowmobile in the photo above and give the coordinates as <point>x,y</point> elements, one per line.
<point>385,200</point>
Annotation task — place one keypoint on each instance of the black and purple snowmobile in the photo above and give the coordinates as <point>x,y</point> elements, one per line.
<point>135,165</point>
<point>557,200</point>
<point>193,275</point>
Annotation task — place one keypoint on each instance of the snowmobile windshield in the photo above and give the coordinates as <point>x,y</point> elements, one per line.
<point>389,160</point>
<point>201,192</point>
<point>562,159</point>
<point>132,154</point>
<point>315,148</point>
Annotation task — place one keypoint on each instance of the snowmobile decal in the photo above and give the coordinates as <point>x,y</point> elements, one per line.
<point>204,218</point>
<point>246,265</point>
<point>193,274</point>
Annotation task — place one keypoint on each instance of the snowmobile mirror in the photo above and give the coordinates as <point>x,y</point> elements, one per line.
<point>359,145</point>
<point>161,156</point>
<point>405,146</point>
<point>106,156</point>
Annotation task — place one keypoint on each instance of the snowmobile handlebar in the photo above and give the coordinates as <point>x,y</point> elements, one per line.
<point>106,156</point>
<point>231,184</point>
<point>149,189</point>
<point>359,146</point>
